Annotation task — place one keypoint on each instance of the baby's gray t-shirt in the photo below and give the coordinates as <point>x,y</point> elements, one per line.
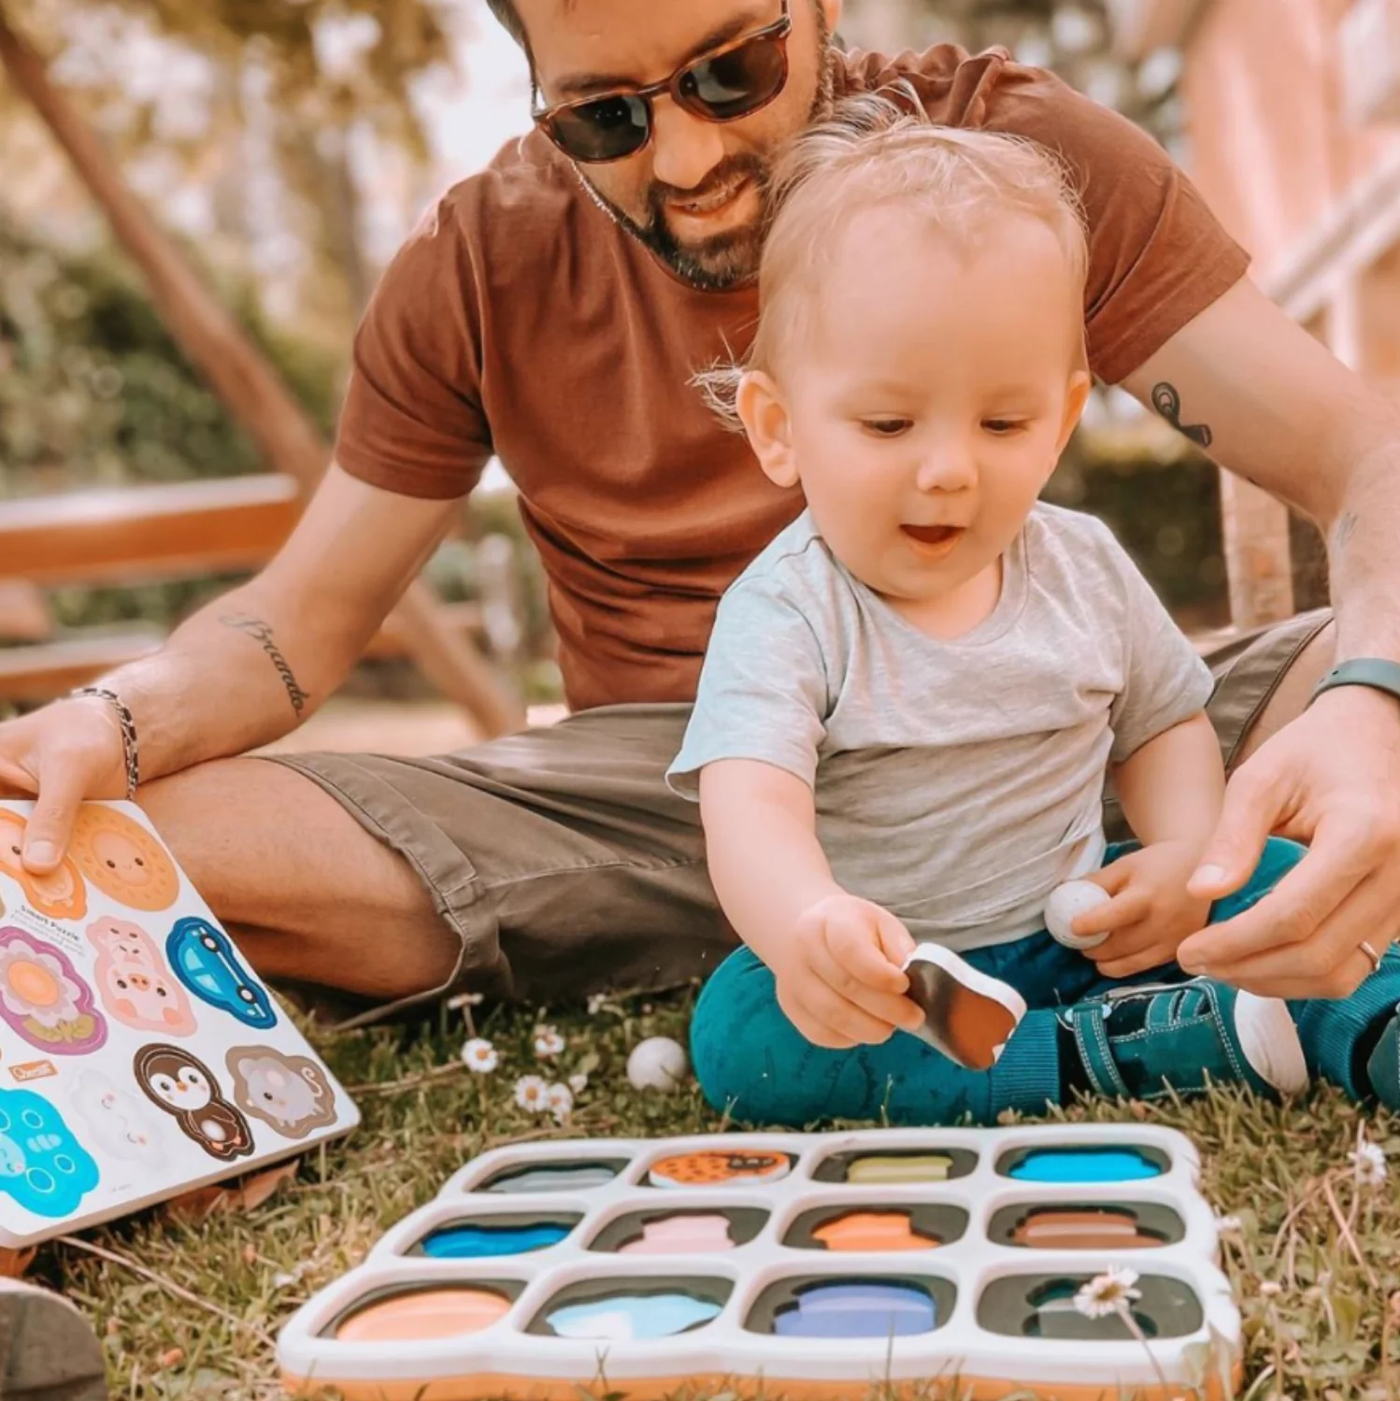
<point>957,781</point>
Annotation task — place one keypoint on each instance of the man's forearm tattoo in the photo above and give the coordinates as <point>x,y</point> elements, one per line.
<point>1167,402</point>
<point>261,633</point>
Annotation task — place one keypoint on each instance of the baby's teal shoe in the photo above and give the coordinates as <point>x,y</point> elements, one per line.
<point>1154,1039</point>
<point>1383,1065</point>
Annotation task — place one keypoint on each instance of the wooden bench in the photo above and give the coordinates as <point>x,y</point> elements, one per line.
<point>139,534</point>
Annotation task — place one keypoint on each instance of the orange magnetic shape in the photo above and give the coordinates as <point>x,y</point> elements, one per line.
<point>424,1315</point>
<point>60,894</point>
<point>874,1231</point>
<point>123,860</point>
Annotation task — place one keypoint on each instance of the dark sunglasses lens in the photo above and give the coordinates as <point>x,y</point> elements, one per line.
<point>604,130</point>
<point>736,82</point>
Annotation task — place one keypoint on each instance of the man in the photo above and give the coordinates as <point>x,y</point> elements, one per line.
<point>553,310</point>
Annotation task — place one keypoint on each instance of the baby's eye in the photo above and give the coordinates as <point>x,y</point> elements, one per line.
<point>1003,427</point>
<point>887,427</point>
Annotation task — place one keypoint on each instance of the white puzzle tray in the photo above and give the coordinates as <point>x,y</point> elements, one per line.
<point>813,1265</point>
<point>139,1056</point>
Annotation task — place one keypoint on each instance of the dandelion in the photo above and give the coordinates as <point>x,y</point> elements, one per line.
<point>578,1083</point>
<point>559,1099</point>
<point>1108,1293</point>
<point>548,1042</point>
<point>479,1055</point>
<point>530,1093</point>
<point>1369,1162</point>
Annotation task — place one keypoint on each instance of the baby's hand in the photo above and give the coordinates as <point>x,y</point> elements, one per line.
<point>840,982</point>
<point>1150,912</point>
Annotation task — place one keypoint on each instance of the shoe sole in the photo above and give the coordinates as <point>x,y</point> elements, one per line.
<point>1270,1042</point>
<point>48,1351</point>
<point>968,1016</point>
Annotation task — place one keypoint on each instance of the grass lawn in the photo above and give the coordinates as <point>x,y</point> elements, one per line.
<point>1315,1262</point>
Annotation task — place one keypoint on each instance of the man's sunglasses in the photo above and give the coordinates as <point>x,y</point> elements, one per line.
<point>721,86</point>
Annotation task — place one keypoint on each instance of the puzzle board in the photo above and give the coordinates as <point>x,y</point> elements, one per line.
<point>814,1265</point>
<point>139,1056</point>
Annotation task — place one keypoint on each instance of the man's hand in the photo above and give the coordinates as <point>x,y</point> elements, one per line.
<point>1151,911</point>
<point>1331,780</point>
<point>64,753</point>
<point>839,977</point>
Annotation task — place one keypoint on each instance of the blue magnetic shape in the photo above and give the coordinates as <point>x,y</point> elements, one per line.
<point>858,1309</point>
<point>632,1317</point>
<point>1085,1165</point>
<point>204,960</point>
<point>42,1165</point>
<point>476,1242</point>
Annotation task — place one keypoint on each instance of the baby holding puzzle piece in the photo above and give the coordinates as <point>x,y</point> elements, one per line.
<point>912,696</point>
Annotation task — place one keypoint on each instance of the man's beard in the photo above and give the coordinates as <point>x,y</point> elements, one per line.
<point>729,259</point>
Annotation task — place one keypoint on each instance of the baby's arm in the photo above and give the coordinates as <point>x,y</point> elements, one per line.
<point>1172,787</point>
<point>835,958</point>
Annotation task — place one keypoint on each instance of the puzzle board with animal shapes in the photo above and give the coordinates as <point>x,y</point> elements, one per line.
<point>813,1265</point>
<point>139,1056</point>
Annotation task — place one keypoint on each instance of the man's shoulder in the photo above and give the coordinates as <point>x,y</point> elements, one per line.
<point>958,88</point>
<point>525,205</point>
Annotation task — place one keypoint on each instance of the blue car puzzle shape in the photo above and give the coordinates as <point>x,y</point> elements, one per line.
<point>205,961</point>
<point>42,1165</point>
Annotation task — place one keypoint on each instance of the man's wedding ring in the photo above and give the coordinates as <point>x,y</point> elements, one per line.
<point>1372,955</point>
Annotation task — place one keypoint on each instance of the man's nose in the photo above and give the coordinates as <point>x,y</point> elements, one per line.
<point>685,149</point>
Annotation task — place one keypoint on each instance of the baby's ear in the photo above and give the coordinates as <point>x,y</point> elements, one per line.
<point>1080,384</point>
<point>765,419</point>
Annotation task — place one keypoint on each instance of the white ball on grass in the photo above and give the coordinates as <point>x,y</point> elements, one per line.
<point>658,1063</point>
<point>1071,899</point>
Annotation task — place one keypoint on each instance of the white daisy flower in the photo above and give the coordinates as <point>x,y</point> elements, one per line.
<point>530,1093</point>
<point>1370,1165</point>
<point>480,1055</point>
<point>465,999</point>
<point>548,1042</point>
<point>1107,1293</point>
<point>559,1099</point>
<point>578,1083</point>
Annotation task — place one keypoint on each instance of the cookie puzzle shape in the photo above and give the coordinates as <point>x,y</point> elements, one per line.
<point>815,1265</point>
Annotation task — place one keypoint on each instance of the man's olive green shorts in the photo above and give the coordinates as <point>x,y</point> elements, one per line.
<point>566,866</point>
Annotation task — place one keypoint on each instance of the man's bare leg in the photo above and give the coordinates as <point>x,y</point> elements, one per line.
<point>1294,688</point>
<point>308,893</point>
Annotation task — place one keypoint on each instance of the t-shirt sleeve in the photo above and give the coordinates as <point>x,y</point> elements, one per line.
<point>762,693</point>
<point>1165,681</point>
<point>412,420</point>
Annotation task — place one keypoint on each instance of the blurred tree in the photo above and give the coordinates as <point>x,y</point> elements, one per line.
<point>262,102</point>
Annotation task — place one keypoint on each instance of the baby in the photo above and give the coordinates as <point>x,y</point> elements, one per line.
<point>912,696</point>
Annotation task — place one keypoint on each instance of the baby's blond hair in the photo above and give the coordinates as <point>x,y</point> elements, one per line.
<point>878,151</point>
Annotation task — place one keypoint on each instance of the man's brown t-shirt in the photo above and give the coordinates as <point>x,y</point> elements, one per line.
<point>519,320</point>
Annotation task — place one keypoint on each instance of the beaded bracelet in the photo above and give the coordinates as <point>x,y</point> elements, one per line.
<point>127,725</point>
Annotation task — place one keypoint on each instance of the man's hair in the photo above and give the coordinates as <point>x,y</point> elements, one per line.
<point>509,16</point>
<point>881,150</point>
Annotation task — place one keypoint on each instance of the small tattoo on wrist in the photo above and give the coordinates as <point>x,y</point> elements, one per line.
<point>1167,402</point>
<point>261,633</point>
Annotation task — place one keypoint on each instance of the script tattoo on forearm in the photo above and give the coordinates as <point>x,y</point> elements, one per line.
<point>261,633</point>
<point>1167,402</point>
